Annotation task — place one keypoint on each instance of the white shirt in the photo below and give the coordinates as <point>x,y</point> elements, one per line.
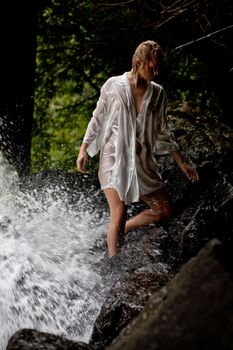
<point>129,142</point>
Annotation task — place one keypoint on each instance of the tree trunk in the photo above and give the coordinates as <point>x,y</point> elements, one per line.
<point>17,68</point>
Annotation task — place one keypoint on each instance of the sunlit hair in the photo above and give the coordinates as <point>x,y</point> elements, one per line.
<point>145,51</point>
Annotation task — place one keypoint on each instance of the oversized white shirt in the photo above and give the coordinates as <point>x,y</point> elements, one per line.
<point>128,142</point>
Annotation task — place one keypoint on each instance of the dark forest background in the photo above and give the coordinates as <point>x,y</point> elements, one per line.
<point>76,45</point>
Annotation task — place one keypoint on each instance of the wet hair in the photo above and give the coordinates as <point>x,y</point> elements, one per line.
<point>146,50</point>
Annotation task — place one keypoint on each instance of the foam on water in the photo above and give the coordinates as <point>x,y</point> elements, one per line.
<point>48,275</point>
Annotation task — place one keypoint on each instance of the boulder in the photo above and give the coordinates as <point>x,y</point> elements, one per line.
<point>201,211</point>
<point>125,300</point>
<point>135,273</point>
<point>193,311</point>
<point>28,339</point>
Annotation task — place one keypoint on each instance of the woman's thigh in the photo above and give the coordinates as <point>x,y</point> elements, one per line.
<point>116,205</point>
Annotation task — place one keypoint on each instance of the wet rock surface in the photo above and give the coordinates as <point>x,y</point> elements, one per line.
<point>193,311</point>
<point>31,339</point>
<point>75,187</point>
<point>140,272</point>
<point>190,310</point>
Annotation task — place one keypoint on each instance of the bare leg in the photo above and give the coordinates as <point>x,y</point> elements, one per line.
<point>160,208</point>
<point>117,221</point>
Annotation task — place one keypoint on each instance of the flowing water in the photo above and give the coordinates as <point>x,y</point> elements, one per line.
<point>49,278</point>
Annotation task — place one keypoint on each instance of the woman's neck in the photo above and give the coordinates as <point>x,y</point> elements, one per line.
<point>136,83</point>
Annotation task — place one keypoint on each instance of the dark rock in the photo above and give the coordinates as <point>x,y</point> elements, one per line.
<point>130,277</point>
<point>202,210</point>
<point>193,311</point>
<point>138,270</point>
<point>204,218</point>
<point>26,339</point>
<point>126,299</point>
<point>205,144</point>
<point>212,219</point>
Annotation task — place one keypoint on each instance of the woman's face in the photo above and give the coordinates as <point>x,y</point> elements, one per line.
<point>149,69</point>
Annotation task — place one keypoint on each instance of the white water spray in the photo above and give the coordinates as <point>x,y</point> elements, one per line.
<point>48,275</point>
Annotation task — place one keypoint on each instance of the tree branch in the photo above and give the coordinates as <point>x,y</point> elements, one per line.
<point>118,4</point>
<point>203,37</point>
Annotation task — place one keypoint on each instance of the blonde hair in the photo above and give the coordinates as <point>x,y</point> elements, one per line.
<point>146,50</point>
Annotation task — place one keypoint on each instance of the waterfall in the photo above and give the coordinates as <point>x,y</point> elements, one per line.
<point>49,277</point>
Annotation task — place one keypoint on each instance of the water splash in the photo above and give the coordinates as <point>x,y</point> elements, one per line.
<point>48,275</point>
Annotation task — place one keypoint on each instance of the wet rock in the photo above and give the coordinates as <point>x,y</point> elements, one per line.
<point>204,143</point>
<point>73,187</point>
<point>26,339</point>
<point>138,271</point>
<point>193,311</point>
<point>202,211</point>
<point>211,219</point>
<point>135,273</point>
<point>126,299</point>
<point>140,249</point>
<point>207,216</point>
<point>56,177</point>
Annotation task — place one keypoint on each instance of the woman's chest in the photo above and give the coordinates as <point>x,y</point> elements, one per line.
<point>138,96</point>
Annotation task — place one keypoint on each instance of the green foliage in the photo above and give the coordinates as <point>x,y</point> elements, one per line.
<point>59,132</point>
<point>81,43</point>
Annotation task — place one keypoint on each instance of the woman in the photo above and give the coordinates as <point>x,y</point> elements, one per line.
<point>129,128</point>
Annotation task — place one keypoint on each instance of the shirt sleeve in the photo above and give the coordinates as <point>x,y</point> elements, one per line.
<point>165,141</point>
<point>98,118</point>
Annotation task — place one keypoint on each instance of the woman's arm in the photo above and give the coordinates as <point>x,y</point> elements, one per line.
<point>82,159</point>
<point>98,117</point>
<point>92,132</point>
<point>190,172</point>
<point>166,142</point>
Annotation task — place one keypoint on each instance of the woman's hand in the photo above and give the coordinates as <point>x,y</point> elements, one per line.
<point>82,159</point>
<point>190,172</point>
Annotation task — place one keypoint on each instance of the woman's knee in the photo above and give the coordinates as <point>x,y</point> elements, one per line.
<point>166,212</point>
<point>162,205</point>
<point>161,212</point>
